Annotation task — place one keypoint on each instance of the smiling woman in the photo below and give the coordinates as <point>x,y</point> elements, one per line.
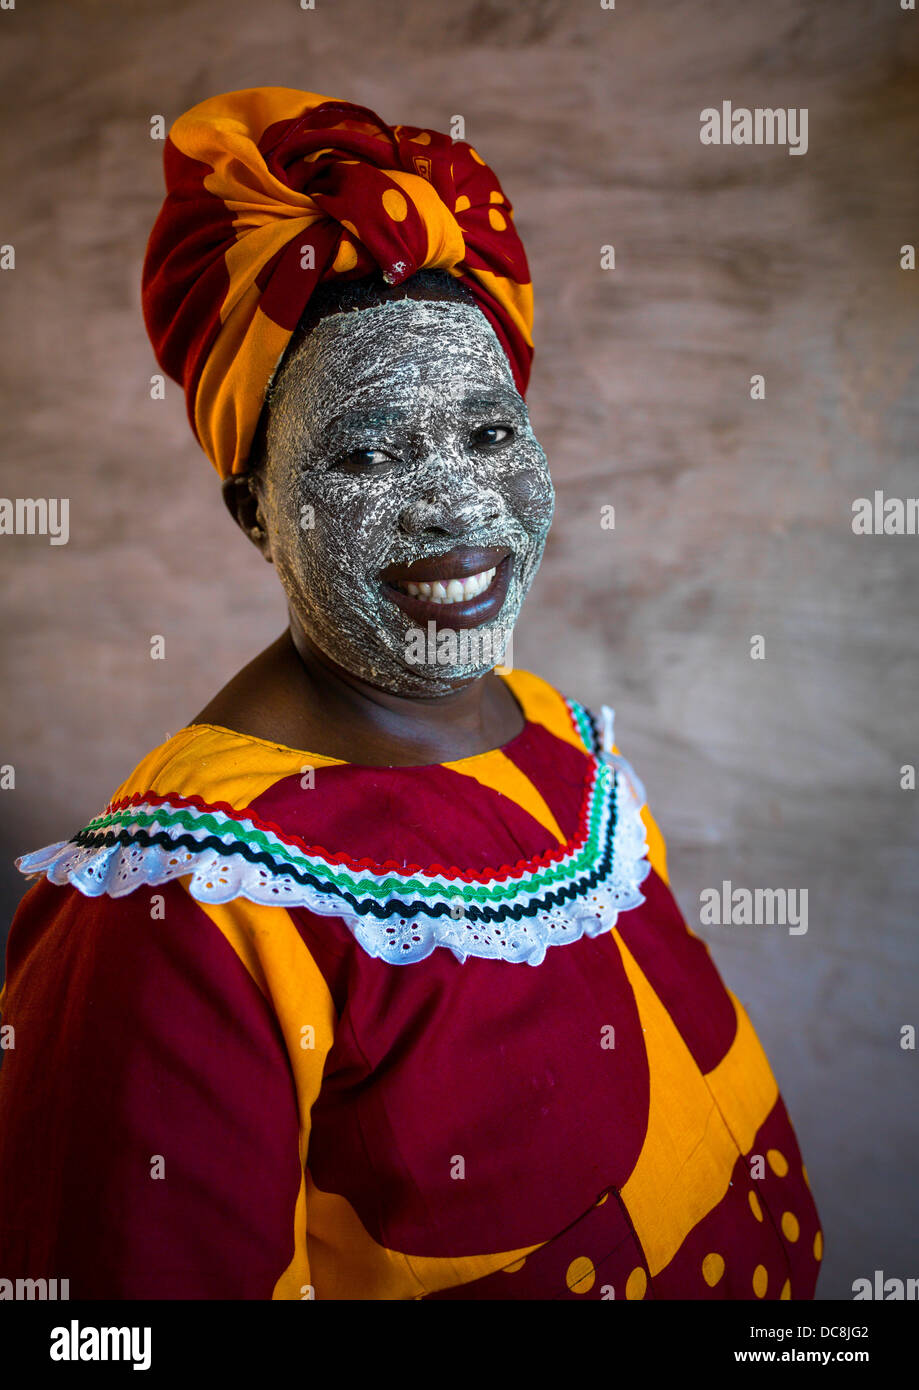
<point>397,483</point>
<point>368,984</point>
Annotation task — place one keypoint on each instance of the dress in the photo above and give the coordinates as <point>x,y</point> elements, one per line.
<point>313,1029</point>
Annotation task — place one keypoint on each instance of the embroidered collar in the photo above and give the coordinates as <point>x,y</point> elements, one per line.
<point>398,914</point>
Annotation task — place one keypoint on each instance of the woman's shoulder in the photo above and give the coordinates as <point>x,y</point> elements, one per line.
<point>181,805</point>
<point>559,712</point>
<point>590,727</point>
<point>213,763</point>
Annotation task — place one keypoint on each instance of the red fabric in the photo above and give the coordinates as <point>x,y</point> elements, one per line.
<point>446,820</point>
<point>136,1037</point>
<point>488,1061</point>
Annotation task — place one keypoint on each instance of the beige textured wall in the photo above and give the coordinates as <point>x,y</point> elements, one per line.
<point>732,515</point>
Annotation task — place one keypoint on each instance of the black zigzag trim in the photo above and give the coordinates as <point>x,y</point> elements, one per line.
<point>596,731</point>
<point>555,897</point>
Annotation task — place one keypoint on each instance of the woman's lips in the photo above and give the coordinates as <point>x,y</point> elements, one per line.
<point>459,565</point>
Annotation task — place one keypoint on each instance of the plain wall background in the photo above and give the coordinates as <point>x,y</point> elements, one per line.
<point>733,516</point>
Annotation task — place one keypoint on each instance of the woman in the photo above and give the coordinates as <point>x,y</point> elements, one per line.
<point>363,986</point>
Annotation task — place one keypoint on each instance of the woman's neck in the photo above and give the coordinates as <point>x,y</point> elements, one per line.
<point>294,695</point>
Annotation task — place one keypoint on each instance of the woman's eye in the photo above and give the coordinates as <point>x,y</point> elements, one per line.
<point>492,435</point>
<point>365,458</point>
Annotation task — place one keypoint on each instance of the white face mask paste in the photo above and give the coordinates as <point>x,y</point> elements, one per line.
<point>402,383</point>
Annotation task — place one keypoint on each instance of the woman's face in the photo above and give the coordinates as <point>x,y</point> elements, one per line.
<point>399,458</point>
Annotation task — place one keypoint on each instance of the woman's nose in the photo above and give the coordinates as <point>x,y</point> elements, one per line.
<point>453,513</point>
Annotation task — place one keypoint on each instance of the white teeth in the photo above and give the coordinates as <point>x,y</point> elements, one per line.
<point>451,590</point>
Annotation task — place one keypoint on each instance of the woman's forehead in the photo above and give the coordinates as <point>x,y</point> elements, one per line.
<point>404,351</point>
<point>368,407</point>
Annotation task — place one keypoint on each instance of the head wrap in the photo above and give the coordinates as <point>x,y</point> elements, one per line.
<point>271,191</point>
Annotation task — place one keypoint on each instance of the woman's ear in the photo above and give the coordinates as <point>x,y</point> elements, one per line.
<point>241,495</point>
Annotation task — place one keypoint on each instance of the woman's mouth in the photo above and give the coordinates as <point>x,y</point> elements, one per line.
<point>460,589</point>
<point>451,591</point>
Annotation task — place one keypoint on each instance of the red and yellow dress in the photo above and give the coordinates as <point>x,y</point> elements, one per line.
<point>288,1027</point>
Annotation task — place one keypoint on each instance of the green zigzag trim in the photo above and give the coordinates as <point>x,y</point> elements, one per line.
<point>374,887</point>
<point>584,723</point>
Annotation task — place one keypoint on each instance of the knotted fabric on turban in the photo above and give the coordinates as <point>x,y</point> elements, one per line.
<point>269,192</point>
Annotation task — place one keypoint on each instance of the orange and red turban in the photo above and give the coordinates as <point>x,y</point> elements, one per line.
<point>270,192</point>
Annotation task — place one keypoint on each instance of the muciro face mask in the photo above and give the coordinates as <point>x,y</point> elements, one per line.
<point>396,435</point>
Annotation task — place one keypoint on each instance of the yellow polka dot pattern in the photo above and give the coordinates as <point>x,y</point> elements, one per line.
<point>581,1275</point>
<point>394,205</point>
<point>345,257</point>
<point>496,220</point>
<point>790,1226</point>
